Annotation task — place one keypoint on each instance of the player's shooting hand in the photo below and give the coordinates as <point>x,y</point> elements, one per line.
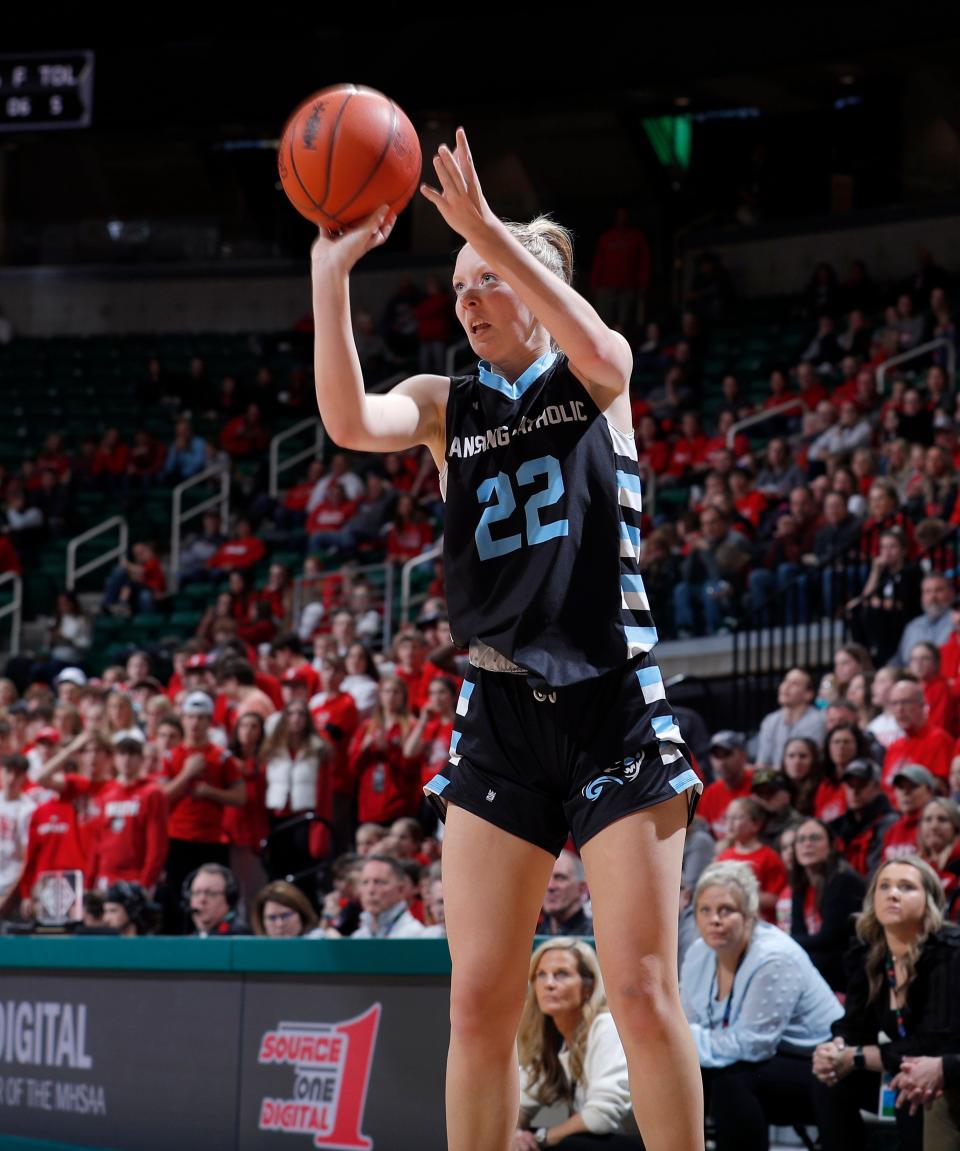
<point>459,200</point>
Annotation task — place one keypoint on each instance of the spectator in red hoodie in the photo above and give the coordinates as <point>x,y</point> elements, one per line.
<point>246,436</point>
<point>130,834</point>
<point>243,550</point>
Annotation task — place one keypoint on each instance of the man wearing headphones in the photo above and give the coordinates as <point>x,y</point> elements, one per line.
<point>211,895</point>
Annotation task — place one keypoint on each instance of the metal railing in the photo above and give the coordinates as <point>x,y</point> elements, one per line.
<point>761,418</point>
<point>220,501</point>
<point>119,552</point>
<point>406,574</point>
<point>14,609</point>
<point>803,622</point>
<point>915,354</point>
<point>277,465</point>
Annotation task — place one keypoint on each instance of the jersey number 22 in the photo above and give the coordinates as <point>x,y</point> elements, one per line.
<point>499,490</point>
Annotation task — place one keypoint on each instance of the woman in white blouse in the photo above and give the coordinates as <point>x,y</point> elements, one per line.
<point>571,1059</point>
<point>298,766</point>
<point>757,1008</point>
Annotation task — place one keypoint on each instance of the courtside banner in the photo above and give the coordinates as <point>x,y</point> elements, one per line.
<point>344,1066</point>
<point>105,1061</point>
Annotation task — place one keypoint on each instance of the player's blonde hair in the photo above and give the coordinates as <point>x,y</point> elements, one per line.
<point>547,241</point>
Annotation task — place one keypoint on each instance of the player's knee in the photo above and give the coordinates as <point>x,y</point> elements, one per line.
<point>644,996</point>
<point>479,1013</point>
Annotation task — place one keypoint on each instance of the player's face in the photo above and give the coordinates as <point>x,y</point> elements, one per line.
<point>497,322</point>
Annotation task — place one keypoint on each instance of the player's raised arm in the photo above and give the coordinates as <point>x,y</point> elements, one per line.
<point>595,352</point>
<point>410,414</point>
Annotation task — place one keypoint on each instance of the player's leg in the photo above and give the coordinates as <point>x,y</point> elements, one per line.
<point>493,887</point>
<point>633,871</point>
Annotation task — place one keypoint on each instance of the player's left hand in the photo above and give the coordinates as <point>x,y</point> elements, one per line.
<point>460,200</point>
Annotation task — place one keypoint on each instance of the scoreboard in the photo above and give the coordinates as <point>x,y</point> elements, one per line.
<point>46,90</point>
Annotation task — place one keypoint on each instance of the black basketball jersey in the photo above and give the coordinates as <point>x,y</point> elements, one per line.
<point>542,525</point>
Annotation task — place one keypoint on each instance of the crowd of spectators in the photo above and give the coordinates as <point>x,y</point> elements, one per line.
<point>266,778</point>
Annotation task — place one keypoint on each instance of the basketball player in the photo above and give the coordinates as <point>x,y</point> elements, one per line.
<point>562,725</point>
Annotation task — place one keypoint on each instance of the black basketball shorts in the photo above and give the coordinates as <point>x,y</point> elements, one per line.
<point>541,765</point>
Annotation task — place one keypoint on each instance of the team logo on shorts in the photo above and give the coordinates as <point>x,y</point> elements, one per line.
<point>629,768</point>
<point>595,786</point>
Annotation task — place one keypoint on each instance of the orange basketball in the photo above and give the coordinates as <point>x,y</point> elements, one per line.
<point>345,151</point>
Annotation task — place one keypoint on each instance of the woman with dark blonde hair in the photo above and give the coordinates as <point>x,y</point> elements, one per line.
<point>281,911</point>
<point>901,986</point>
<point>570,1054</point>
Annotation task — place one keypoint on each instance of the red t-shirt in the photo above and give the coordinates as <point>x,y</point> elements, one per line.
<point>130,840</point>
<point>717,797</point>
<point>830,801</point>
<point>436,748</point>
<point>767,867</point>
<point>238,553</point>
<point>246,826</point>
<point>340,711</point>
<point>900,839</point>
<point>153,576</point>
<point>930,746</point>
<point>416,690</point>
<point>199,820</point>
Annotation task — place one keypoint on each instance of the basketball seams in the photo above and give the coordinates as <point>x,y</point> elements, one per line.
<point>316,151</point>
<point>293,161</point>
<point>332,149</point>
<point>390,137</point>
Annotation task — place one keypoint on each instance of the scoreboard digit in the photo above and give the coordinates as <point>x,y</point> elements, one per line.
<point>46,90</point>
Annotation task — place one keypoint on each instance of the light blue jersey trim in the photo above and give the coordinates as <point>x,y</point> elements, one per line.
<point>529,377</point>
<point>436,785</point>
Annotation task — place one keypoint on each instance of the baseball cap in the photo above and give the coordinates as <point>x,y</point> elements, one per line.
<point>917,775</point>
<point>47,735</point>
<point>72,675</point>
<point>197,703</point>
<point>861,769</point>
<point>767,777</point>
<point>196,662</point>
<point>731,740</point>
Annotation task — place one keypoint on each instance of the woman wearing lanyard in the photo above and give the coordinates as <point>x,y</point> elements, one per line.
<point>900,1002</point>
<point>757,1008</point>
